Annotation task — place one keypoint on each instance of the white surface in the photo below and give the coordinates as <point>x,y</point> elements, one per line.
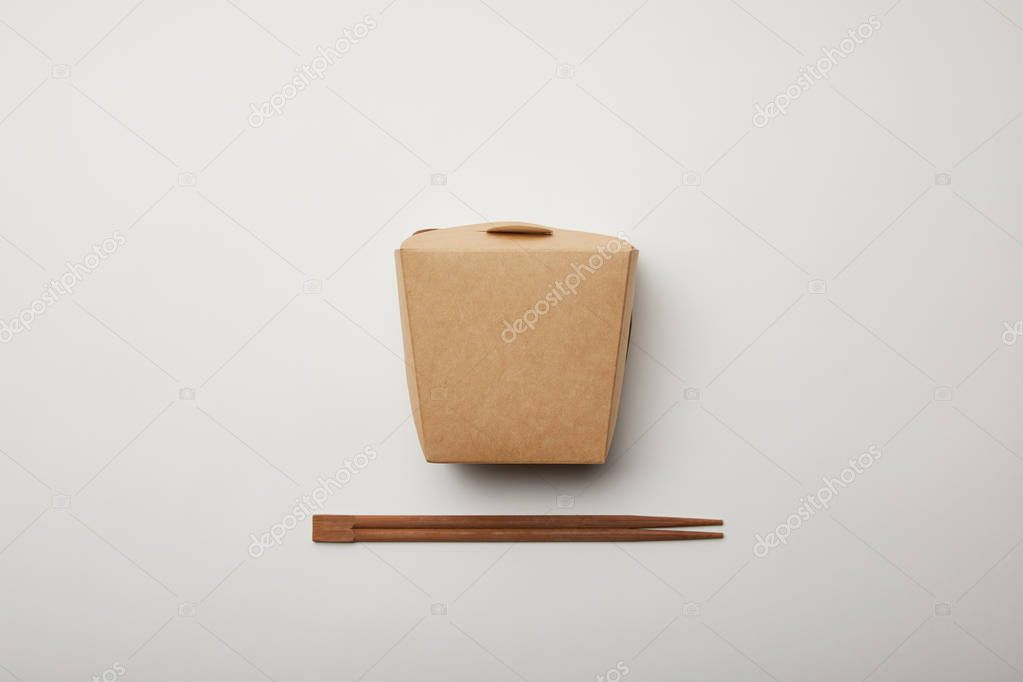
<point>126,512</point>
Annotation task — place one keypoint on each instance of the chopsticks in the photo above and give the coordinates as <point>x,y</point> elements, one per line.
<point>559,528</point>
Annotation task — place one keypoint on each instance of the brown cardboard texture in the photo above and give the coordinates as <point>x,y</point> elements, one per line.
<point>515,341</point>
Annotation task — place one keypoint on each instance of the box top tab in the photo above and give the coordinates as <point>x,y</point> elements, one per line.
<point>505,236</point>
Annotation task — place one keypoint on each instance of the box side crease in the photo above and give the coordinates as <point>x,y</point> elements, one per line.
<point>409,346</point>
<point>623,348</point>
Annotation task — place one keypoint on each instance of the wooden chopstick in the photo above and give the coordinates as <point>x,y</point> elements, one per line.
<point>518,521</point>
<point>506,535</point>
<point>564,528</point>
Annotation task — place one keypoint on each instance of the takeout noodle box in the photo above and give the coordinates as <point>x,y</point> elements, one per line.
<point>515,341</point>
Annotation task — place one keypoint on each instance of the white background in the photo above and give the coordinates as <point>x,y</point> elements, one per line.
<point>836,279</point>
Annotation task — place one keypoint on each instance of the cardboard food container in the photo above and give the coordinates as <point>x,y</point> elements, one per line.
<point>515,341</point>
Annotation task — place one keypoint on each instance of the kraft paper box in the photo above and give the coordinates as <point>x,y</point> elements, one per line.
<point>515,341</point>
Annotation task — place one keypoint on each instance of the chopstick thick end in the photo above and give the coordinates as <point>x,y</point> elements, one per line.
<point>329,528</point>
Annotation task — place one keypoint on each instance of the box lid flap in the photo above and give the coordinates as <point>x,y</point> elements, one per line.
<point>504,236</point>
